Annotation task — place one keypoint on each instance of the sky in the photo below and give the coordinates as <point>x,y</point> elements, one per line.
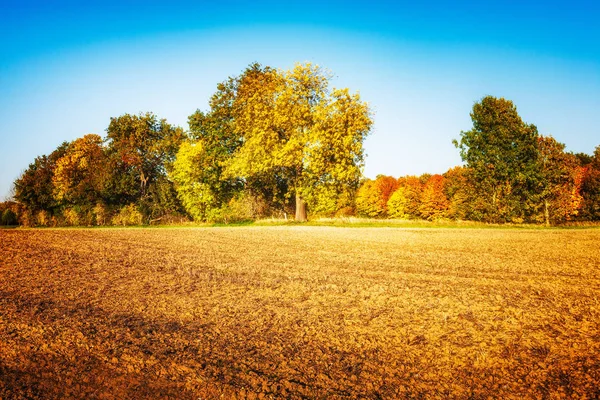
<point>67,67</point>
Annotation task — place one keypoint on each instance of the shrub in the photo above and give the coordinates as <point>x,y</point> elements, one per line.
<point>127,216</point>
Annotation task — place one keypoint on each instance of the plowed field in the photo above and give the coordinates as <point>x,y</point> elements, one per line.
<point>299,312</point>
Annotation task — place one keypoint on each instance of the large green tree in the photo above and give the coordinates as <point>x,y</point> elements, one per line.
<point>500,152</point>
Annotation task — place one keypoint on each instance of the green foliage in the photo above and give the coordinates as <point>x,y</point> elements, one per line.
<point>273,140</point>
<point>501,154</point>
<point>591,189</point>
<point>9,217</point>
<point>34,188</point>
<point>558,189</point>
<point>141,149</point>
<point>198,181</point>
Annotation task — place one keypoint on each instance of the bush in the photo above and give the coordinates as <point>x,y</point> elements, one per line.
<point>127,216</point>
<point>243,207</point>
<point>9,217</point>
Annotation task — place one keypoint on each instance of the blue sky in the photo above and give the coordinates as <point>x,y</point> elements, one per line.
<point>66,67</point>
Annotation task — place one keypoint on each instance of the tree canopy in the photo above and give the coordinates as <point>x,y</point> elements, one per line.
<point>501,154</point>
<point>280,142</point>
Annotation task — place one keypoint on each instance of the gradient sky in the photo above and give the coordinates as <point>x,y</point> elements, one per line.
<point>66,67</point>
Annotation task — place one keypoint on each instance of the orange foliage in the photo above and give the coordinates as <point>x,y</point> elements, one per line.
<point>373,196</point>
<point>434,204</point>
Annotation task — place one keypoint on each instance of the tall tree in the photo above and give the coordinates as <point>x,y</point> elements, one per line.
<point>293,127</point>
<point>198,172</point>
<point>501,154</point>
<point>141,148</point>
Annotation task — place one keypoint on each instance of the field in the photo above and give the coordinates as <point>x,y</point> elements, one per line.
<point>299,312</point>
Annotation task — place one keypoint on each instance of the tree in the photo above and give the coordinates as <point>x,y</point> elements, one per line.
<point>34,188</point>
<point>79,174</point>
<point>373,195</point>
<point>501,154</point>
<point>434,204</point>
<point>405,202</point>
<point>8,217</point>
<point>292,127</point>
<point>590,189</point>
<point>202,161</point>
<point>559,191</point>
<point>198,181</point>
<point>459,192</point>
<point>141,149</point>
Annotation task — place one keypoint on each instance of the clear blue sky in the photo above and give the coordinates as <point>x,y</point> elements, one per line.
<point>66,67</point>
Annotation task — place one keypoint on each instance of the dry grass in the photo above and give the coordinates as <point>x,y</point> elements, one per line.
<point>296,312</point>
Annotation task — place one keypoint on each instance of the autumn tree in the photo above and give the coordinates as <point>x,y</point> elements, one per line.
<point>140,150</point>
<point>34,188</point>
<point>590,190</point>
<point>458,189</point>
<point>434,204</point>
<point>373,196</point>
<point>293,127</point>
<point>559,183</point>
<point>405,202</point>
<point>79,174</point>
<point>199,169</point>
<point>501,154</point>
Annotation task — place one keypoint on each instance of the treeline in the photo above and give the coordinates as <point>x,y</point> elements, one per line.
<point>512,174</point>
<point>279,143</point>
<point>273,143</point>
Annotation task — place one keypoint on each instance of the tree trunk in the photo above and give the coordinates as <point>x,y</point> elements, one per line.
<point>546,212</point>
<point>300,208</point>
